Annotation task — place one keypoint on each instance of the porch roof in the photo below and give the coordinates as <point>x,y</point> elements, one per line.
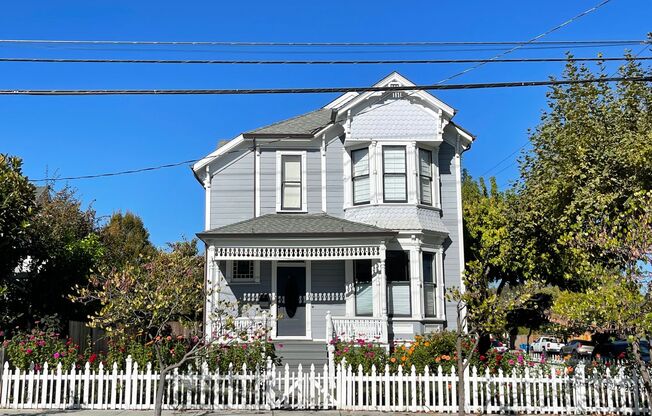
<point>296,225</point>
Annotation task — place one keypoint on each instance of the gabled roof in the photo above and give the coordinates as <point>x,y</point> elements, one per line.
<point>296,225</point>
<point>302,126</point>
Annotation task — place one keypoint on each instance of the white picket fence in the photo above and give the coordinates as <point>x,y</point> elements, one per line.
<point>334,387</point>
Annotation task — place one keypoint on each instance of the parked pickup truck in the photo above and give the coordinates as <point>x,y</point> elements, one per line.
<point>547,344</point>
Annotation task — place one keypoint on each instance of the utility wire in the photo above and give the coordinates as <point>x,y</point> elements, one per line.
<point>533,40</point>
<point>482,85</point>
<point>332,44</point>
<point>185,162</point>
<point>314,62</point>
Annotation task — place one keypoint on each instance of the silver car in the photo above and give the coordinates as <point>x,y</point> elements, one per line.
<point>578,347</point>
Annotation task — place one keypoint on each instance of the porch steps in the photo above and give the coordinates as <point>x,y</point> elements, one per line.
<point>302,352</point>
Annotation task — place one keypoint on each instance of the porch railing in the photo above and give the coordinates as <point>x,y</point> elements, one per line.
<point>250,326</point>
<point>370,329</point>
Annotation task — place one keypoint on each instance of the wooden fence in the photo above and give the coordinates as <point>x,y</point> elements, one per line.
<point>331,387</point>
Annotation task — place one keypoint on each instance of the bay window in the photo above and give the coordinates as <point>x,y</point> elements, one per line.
<point>394,174</point>
<point>425,176</point>
<point>360,176</point>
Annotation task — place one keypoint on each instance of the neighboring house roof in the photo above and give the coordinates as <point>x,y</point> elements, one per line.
<point>301,126</point>
<point>40,190</point>
<point>296,224</point>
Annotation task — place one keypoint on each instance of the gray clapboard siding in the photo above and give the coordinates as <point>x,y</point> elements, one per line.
<point>235,292</point>
<point>232,191</point>
<point>450,219</point>
<point>327,277</point>
<point>334,173</point>
<point>267,181</point>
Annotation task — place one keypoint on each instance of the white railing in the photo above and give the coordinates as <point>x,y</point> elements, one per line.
<point>334,387</point>
<point>560,359</point>
<point>249,326</point>
<point>356,328</point>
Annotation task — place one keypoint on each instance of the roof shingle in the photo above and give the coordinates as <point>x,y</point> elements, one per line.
<point>295,224</point>
<point>304,125</point>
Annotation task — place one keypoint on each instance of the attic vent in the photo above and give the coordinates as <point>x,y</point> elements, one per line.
<point>396,94</point>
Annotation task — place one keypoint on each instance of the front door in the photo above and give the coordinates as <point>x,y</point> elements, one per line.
<point>291,313</point>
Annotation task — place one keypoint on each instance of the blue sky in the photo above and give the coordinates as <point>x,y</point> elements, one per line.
<point>68,136</point>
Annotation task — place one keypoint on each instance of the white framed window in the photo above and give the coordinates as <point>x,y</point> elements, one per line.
<point>425,176</point>
<point>360,176</point>
<point>243,271</point>
<point>429,284</point>
<point>394,174</point>
<point>291,181</point>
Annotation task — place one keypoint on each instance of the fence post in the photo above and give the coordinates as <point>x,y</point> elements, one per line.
<point>268,384</point>
<point>128,372</point>
<point>44,384</point>
<point>230,388</point>
<point>114,385</point>
<point>5,384</point>
<point>329,327</point>
<point>16,386</point>
<point>57,400</point>
<point>72,388</point>
<point>580,389</point>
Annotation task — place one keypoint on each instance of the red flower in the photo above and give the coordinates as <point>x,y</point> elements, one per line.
<point>92,358</point>
<point>483,358</point>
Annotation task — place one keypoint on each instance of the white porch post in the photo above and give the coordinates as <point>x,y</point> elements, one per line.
<point>349,288</point>
<point>381,294</point>
<point>416,281</point>
<point>211,284</point>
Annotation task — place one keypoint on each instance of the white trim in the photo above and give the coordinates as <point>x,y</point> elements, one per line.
<point>308,297</point>
<point>395,77</point>
<point>257,179</point>
<point>298,253</point>
<point>304,180</point>
<point>323,173</point>
<point>274,303</point>
<point>342,99</point>
<point>206,160</point>
<point>207,202</point>
<point>411,175</point>
<point>346,178</point>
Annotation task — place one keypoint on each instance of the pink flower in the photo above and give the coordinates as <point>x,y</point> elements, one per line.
<point>511,362</point>
<point>519,359</point>
<point>29,351</point>
<point>56,355</point>
<point>280,345</point>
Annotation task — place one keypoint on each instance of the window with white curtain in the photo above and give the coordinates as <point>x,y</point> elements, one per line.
<point>360,176</point>
<point>425,176</point>
<point>397,271</point>
<point>394,174</point>
<point>291,182</point>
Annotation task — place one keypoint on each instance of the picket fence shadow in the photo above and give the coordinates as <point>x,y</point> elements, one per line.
<point>331,387</point>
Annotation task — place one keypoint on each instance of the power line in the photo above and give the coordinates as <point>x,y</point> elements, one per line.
<point>314,62</point>
<point>533,40</point>
<point>322,90</point>
<point>328,44</point>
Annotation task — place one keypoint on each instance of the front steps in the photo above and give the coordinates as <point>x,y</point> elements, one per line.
<point>302,352</point>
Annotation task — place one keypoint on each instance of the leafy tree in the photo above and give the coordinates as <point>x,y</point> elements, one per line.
<point>585,202</point>
<point>125,240</point>
<point>65,250</point>
<point>142,299</point>
<point>17,209</point>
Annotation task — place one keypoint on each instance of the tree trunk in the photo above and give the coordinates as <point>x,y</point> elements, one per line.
<point>642,369</point>
<point>461,394</point>
<point>160,389</point>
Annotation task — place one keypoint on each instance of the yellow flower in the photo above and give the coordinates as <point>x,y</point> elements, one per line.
<point>437,359</point>
<point>427,344</point>
<point>403,358</point>
<point>393,359</point>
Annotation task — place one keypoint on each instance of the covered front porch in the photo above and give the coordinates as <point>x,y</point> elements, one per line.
<point>294,275</point>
